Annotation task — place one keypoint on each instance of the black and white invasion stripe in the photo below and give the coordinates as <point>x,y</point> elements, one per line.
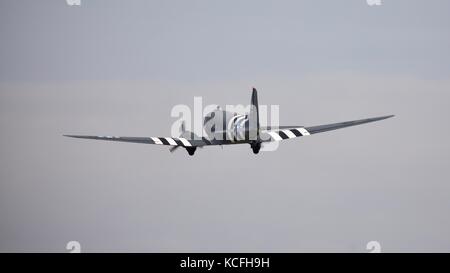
<point>287,134</point>
<point>171,141</point>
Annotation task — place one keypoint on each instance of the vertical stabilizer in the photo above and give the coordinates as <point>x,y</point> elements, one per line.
<point>254,117</point>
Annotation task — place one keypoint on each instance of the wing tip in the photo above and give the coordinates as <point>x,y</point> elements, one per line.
<point>386,117</point>
<point>76,136</point>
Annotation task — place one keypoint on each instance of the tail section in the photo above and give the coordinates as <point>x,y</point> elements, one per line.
<point>254,117</point>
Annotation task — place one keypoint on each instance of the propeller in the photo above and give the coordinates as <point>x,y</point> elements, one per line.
<point>182,131</point>
<point>187,135</point>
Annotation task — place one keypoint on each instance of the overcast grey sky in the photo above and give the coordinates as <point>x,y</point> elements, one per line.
<point>114,67</point>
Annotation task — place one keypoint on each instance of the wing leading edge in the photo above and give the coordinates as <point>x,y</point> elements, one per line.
<point>287,132</point>
<point>169,141</point>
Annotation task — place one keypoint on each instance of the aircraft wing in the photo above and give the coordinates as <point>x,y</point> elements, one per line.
<point>268,134</point>
<point>287,132</point>
<point>169,141</point>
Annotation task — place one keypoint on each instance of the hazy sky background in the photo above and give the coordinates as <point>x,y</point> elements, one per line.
<point>114,67</point>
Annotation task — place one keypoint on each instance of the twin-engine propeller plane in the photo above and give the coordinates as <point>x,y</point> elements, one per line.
<point>238,129</point>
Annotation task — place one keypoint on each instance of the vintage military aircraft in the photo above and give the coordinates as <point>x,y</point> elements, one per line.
<point>225,128</point>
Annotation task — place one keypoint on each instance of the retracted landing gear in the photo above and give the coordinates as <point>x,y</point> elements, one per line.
<point>256,147</point>
<point>191,150</point>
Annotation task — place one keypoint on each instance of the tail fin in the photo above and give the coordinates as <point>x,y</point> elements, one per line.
<point>254,117</point>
